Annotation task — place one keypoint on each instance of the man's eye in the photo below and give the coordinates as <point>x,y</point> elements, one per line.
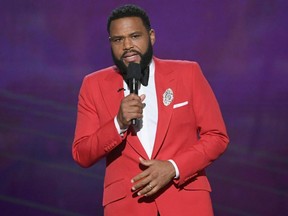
<point>116,40</point>
<point>136,36</point>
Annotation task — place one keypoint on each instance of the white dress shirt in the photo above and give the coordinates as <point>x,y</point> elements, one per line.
<point>146,127</point>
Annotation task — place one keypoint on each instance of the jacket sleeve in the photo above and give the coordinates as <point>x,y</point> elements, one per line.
<point>212,136</point>
<point>93,140</point>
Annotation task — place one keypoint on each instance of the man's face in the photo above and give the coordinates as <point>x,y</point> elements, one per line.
<point>131,42</point>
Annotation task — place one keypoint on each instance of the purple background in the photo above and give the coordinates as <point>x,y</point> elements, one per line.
<point>47,47</point>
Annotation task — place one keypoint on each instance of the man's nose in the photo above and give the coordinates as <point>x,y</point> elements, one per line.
<point>127,43</point>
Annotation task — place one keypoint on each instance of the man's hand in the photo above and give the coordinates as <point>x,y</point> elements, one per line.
<point>156,176</point>
<point>131,108</point>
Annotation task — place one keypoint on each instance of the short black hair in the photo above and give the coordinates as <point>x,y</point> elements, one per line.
<point>129,10</point>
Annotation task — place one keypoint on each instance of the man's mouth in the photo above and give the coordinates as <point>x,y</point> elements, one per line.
<point>131,57</point>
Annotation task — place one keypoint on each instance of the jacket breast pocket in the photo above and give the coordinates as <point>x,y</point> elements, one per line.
<point>175,106</point>
<point>182,114</point>
<point>114,191</point>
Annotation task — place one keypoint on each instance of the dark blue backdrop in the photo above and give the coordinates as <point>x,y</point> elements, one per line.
<point>47,47</point>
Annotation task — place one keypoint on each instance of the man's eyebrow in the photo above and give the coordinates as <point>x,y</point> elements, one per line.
<point>135,32</point>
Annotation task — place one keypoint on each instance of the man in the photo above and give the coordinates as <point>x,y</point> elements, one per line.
<point>155,167</point>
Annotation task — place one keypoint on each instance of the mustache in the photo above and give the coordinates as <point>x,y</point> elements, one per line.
<point>131,51</point>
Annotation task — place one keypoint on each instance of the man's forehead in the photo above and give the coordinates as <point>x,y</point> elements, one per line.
<point>127,24</point>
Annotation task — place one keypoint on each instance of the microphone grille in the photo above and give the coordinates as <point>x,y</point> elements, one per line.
<point>134,71</point>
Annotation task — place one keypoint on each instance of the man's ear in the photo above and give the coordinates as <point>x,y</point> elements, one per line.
<point>152,36</point>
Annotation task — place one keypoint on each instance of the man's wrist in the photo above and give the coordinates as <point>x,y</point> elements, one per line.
<point>119,129</point>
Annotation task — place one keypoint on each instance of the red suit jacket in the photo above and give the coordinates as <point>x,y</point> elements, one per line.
<point>190,131</point>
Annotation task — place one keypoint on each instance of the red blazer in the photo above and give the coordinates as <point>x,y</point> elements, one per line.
<point>192,134</point>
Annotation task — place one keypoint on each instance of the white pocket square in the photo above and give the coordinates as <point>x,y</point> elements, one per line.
<point>180,104</point>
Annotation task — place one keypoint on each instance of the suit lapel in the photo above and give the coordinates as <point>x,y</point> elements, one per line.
<point>135,143</point>
<point>109,88</point>
<point>112,97</point>
<point>164,79</point>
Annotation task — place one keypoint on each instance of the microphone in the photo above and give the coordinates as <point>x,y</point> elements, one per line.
<point>133,78</point>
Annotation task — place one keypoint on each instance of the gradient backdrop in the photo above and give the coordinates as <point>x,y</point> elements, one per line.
<point>48,46</point>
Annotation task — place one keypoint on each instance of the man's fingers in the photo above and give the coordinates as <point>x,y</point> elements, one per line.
<point>145,162</point>
<point>131,108</point>
<point>148,190</point>
<point>140,176</point>
<point>140,184</point>
<point>156,176</point>
<point>142,97</point>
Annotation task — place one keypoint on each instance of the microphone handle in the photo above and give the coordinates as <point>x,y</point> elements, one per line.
<point>134,121</point>
<point>134,86</point>
<point>134,89</point>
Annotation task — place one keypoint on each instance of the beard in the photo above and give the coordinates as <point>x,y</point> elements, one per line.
<point>144,63</point>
